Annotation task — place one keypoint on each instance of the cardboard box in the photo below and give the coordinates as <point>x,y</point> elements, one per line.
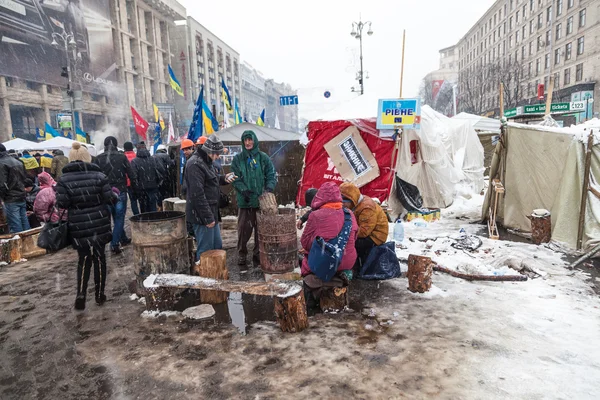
<point>352,157</point>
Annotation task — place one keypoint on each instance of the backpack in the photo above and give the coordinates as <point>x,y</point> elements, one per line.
<point>324,257</point>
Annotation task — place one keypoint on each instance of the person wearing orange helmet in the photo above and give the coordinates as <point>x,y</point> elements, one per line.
<point>187,146</point>
<point>201,140</point>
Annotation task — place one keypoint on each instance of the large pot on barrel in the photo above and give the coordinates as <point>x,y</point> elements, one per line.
<point>160,245</point>
<point>278,241</point>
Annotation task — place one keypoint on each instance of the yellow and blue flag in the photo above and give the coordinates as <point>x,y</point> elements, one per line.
<point>238,115</point>
<point>261,119</point>
<point>174,82</point>
<point>158,118</point>
<point>50,132</point>
<point>80,135</point>
<point>226,97</point>
<point>211,125</point>
<point>40,135</point>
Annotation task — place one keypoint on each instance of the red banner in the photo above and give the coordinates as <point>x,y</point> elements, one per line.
<point>540,91</point>
<point>141,126</point>
<point>318,167</point>
<point>435,88</point>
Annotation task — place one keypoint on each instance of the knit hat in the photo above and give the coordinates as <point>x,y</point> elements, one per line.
<point>213,145</point>
<point>110,140</point>
<point>2,147</point>
<point>80,153</point>
<point>128,146</point>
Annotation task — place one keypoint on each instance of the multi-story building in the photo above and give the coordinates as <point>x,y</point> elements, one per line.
<point>202,59</point>
<point>287,115</point>
<point>522,43</point>
<point>254,99</point>
<point>118,57</point>
<point>438,87</point>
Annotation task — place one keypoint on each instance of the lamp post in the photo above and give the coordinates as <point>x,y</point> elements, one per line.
<point>68,40</point>
<point>357,32</point>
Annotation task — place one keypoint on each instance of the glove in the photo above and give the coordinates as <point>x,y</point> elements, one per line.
<point>247,194</point>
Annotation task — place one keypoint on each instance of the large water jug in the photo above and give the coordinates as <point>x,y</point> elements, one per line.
<point>398,232</point>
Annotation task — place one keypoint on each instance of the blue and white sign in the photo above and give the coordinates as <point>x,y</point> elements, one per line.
<point>288,100</point>
<point>327,94</point>
<point>399,113</point>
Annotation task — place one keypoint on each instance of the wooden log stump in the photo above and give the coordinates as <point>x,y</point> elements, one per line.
<point>419,273</point>
<point>333,299</point>
<point>268,203</point>
<point>290,312</point>
<point>213,264</point>
<point>11,250</point>
<point>541,228</point>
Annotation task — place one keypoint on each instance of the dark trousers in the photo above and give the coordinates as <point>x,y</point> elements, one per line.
<point>247,224</point>
<point>148,200</point>
<point>87,256</point>
<point>363,248</point>
<point>135,209</point>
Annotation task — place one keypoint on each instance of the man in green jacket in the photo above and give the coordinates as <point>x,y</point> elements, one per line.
<point>255,174</point>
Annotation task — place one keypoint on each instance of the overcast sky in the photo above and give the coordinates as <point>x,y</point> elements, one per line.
<point>308,44</point>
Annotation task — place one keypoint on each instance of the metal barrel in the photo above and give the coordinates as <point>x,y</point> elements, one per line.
<point>159,245</point>
<point>278,241</point>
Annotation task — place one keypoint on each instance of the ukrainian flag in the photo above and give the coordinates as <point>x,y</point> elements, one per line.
<point>50,132</point>
<point>226,97</point>
<point>40,135</point>
<point>174,82</point>
<point>195,130</point>
<point>261,119</point>
<point>238,115</point>
<point>158,118</point>
<point>81,136</point>
<point>211,125</point>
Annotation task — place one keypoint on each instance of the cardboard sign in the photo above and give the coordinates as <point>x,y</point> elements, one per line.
<point>352,157</point>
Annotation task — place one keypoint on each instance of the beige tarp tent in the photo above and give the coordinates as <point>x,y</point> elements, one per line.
<point>543,168</point>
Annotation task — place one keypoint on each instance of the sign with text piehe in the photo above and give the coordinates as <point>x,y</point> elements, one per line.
<point>399,113</point>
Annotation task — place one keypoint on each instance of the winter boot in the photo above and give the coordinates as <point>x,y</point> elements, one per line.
<point>80,302</point>
<point>100,299</point>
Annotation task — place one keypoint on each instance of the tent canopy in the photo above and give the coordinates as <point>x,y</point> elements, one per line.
<point>264,134</point>
<point>19,144</point>
<point>60,143</point>
<point>479,123</point>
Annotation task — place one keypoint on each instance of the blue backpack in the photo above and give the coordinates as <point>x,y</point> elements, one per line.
<point>324,257</point>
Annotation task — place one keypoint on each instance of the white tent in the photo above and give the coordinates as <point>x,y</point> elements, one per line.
<point>479,123</point>
<point>19,144</point>
<point>61,143</point>
<point>263,134</point>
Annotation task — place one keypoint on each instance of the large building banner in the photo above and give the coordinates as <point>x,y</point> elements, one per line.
<point>32,42</point>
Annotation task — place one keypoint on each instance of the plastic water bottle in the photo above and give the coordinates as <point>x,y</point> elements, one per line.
<point>398,232</point>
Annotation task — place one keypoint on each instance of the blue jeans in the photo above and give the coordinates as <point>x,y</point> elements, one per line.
<point>207,239</point>
<point>118,213</point>
<point>16,217</point>
<point>134,201</point>
<point>148,200</point>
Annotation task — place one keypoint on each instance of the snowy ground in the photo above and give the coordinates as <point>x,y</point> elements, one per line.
<point>524,340</point>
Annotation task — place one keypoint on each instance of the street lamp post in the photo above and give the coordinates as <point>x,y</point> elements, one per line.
<point>357,32</point>
<point>68,40</point>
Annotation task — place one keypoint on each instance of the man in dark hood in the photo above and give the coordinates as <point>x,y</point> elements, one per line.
<point>255,174</point>
<point>116,167</point>
<point>150,175</point>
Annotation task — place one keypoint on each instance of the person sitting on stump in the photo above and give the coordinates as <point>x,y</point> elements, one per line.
<point>373,225</point>
<point>255,174</point>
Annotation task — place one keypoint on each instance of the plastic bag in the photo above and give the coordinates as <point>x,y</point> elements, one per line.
<point>381,264</point>
<point>409,195</point>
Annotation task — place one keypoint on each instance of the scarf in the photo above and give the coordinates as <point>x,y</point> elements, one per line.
<point>332,206</point>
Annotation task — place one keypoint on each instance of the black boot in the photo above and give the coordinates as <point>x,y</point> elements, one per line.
<point>80,302</point>
<point>100,299</point>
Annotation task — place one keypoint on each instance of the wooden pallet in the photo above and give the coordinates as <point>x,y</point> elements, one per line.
<point>493,211</point>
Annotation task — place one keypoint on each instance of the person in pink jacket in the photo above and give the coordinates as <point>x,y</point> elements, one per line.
<point>326,220</point>
<point>45,202</point>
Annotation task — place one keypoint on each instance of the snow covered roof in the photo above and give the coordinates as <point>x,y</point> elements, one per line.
<point>19,144</point>
<point>479,123</point>
<point>264,134</point>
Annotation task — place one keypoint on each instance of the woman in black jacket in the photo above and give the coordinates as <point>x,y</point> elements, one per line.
<point>84,191</point>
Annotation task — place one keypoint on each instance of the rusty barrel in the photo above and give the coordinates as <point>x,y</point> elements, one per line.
<point>160,245</point>
<point>278,241</point>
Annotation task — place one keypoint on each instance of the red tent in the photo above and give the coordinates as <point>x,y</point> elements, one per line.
<point>318,167</point>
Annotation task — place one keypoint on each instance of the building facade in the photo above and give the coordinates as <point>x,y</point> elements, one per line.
<point>287,115</point>
<point>118,57</point>
<point>522,43</point>
<point>254,99</point>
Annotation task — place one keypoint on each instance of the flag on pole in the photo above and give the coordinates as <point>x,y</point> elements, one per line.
<point>195,130</point>
<point>261,119</point>
<point>80,135</point>
<point>174,82</point>
<point>39,134</point>
<point>238,115</point>
<point>157,138</point>
<point>50,132</point>
<point>226,123</point>
<point>141,126</point>
<point>171,137</point>
<point>277,121</point>
<point>158,118</point>
<point>226,97</point>
<point>211,125</point>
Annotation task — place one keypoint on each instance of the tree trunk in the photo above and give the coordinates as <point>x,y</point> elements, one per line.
<point>333,298</point>
<point>268,203</point>
<point>541,229</point>
<point>419,273</point>
<point>213,264</point>
<point>291,313</point>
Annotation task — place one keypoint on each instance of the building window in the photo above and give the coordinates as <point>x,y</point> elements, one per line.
<point>557,79</point>
<point>531,5</point>
<point>31,85</point>
<point>523,52</point>
<point>548,38</point>
<point>529,69</point>
<point>538,66</point>
<point>559,4</point>
<point>517,37</point>
<point>545,84</point>
<point>570,3</point>
<point>517,18</point>
<point>580,46</point>
<point>558,31</point>
<point>568,50</point>
<point>539,43</point>
<point>547,61</point>
<point>49,89</point>
<point>540,21</point>
<point>530,48</point>
<point>567,77</point>
<point>579,72</point>
<point>510,23</point>
<point>549,14</point>
<point>557,56</point>
<point>569,25</point>
<point>531,26</point>
<point>582,18</point>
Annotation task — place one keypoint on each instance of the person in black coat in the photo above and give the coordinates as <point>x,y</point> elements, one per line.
<point>202,206</point>
<point>150,175</point>
<point>12,191</point>
<point>168,165</point>
<point>84,191</point>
